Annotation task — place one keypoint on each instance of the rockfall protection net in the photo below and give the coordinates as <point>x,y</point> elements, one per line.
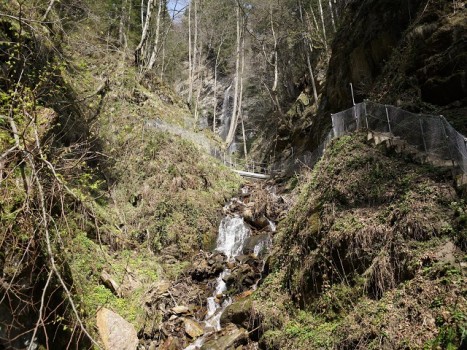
<point>430,136</point>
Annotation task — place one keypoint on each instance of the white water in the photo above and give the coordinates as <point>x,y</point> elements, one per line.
<point>232,235</point>
<point>226,114</point>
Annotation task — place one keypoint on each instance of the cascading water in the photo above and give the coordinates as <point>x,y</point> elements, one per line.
<point>226,114</point>
<point>232,235</point>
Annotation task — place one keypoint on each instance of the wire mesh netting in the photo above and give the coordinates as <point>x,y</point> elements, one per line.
<point>431,136</point>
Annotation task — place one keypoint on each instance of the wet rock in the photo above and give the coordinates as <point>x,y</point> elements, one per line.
<point>193,328</point>
<point>260,242</point>
<point>207,267</point>
<point>116,333</point>
<point>232,338</point>
<point>238,313</point>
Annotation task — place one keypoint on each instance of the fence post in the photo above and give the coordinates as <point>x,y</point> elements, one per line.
<point>366,115</point>
<point>387,117</point>
<point>446,137</point>
<point>356,117</point>
<point>423,136</point>
<point>351,90</point>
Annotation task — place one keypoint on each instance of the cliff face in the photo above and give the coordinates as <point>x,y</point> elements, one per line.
<point>410,53</point>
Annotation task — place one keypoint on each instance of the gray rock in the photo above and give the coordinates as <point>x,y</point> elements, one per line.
<point>115,332</point>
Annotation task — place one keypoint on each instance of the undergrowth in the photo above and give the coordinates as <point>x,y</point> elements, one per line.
<point>371,241</point>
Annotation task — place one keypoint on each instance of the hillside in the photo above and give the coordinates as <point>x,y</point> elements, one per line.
<point>124,227</point>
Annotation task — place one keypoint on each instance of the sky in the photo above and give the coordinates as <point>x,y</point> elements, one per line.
<point>177,5</point>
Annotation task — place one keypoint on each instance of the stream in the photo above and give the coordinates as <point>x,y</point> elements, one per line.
<point>232,236</point>
<point>204,308</point>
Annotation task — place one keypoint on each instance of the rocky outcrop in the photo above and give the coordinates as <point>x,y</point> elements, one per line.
<point>410,53</point>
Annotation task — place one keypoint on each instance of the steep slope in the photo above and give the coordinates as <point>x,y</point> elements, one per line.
<point>371,255</point>
<point>96,205</point>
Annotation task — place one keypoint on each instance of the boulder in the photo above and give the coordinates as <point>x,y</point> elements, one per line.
<point>116,333</point>
<point>238,313</point>
<point>260,242</point>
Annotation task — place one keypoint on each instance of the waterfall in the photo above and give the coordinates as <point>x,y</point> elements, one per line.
<point>232,235</point>
<point>226,114</point>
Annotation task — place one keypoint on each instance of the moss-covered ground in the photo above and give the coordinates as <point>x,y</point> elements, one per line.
<point>371,256</point>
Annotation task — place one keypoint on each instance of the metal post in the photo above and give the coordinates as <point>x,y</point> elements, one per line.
<point>387,117</point>
<point>423,135</point>
<point>351,90</point>
<point>366,115</point>
<point>446,137</point>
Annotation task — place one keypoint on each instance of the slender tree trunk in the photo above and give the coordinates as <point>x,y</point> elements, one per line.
<point>142,13</point>
<point>122,26</point>
<point>233,120</point>
<point>240,107</point>
<point>332,16</point>
<point>216,66</point>
<point>322,22</point>
<point>195,41</point>
<point>49,8</point>
<point>276,66</point>
<point>139,51</point>
<point>155,49</point>
<point>312,77</point>
<point>307,43</point>
<point>190,61</point>
<point>245,151</point>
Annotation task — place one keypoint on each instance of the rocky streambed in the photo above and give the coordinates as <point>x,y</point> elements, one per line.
<point>209,307</point>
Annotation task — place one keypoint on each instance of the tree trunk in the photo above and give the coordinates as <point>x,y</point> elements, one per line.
<point>276,67</point>
<point>155,49</point>
<point>121,28</point>
<point>321,13</point>
<point>233,120</point>
<point>332,16</point>
<point>190,61</point>
<point>139,51</point>
<point>307,42</point>
<point>49,8</point>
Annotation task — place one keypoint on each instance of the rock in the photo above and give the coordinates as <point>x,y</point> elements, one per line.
<point>171,343</point>
<point>260,242</point>
<point>130,284</point>
<point>180,310</point>
<point>116,333</point>
<point>110,283</point>
<point>161,287</point>
<point>238,313</point>
<point>203,270</point>
<point>233,338</point>
<point>193,328</point>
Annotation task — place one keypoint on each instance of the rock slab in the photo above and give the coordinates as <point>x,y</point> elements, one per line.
<point>115,332</point>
